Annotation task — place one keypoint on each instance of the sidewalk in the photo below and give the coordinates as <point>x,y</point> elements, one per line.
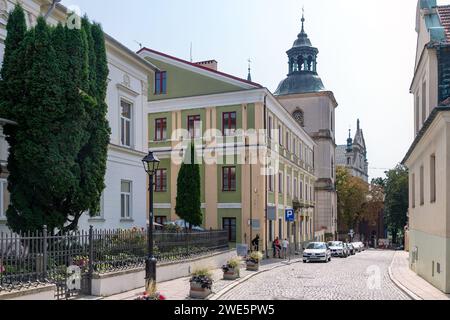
<point>178,289</point>
<point>410,282</point>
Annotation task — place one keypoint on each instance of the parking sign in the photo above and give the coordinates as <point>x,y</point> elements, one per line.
<point>290,215</point>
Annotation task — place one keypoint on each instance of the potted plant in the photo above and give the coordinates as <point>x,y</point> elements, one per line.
<point>201,284</point>
<point>231,269</point>
<point>254,260</point>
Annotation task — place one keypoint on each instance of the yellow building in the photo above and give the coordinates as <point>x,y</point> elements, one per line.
<point>234,123</point>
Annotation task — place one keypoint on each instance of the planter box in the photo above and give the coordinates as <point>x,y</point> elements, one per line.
<point>251,266</point>
<point>231,274</point>
<point>197,292</point>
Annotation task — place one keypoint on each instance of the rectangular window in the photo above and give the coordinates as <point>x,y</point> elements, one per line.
<point>280,182</point>
<point>280,135</point>
<point>160,129</point>
<point>287,141</point>
<point>271,237</point>
<point>125,199</point>
<point>270,127</point>
<point>229,224</point>
<point>300,149</point>
<point>433,178</point>
<point>301,190</point>
<point>288,185</point>
<point>126,123</point>
<point>424,102</point>
<point>413,190</point>
<point>295,188</point>
<point>271,183</point>
<point>422,191</point>
<point>160,82</point>
<point>294,147</point>
<point>194,126</point>
<point>306,190</point>
<point>161,180</point>
<point>229,123</point>
<point>4,198</point>
<point>229,179</point>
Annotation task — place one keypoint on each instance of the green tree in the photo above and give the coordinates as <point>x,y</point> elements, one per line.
<point>11,73</point>
<point>396,202</point>
<point>351,199</point>
<point>58,150</point>
<point>188,202</point>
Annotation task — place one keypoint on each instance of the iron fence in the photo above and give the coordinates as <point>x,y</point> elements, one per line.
<point>69,260</point>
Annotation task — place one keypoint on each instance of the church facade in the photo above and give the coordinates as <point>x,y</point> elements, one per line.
<point>303,94</point>
<point>353,155</point>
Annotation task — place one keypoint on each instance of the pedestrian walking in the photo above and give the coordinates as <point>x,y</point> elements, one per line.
<point>285,248</point>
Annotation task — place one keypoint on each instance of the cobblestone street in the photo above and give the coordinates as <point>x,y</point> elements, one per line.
<point>354,278</point>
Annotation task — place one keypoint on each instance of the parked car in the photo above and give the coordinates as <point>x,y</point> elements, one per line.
<point>357,246</point>
<point>338,249</point>
<point>317,251</point>
<point>351,249</point>
<point>347,250</point>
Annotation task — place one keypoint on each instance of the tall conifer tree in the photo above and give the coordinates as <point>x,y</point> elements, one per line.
<point>188,202</point>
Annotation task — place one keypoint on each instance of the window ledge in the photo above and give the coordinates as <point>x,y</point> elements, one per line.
<point>127,220</point>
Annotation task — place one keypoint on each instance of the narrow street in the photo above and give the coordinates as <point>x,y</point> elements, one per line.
<point>361,277</point>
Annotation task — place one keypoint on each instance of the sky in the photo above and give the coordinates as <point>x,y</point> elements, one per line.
<point>366,48</point>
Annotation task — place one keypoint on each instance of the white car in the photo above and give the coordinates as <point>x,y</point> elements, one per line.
<point>357,246</point>
<point>361,246</point>
<point>317,251</point>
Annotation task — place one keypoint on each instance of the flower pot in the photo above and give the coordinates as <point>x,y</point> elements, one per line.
<point>252,266</point>
<point>197,292</point>
<point>231,274</point>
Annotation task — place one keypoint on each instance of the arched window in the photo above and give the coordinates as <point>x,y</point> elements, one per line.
<point>299,116</point>
<point>310,59</point>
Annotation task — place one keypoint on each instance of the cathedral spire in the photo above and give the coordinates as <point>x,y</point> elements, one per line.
<point>303,19</point>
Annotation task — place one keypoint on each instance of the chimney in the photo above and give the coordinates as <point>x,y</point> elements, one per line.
<point>210,64</point>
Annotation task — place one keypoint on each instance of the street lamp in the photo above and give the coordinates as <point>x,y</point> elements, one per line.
<point>151,165</point>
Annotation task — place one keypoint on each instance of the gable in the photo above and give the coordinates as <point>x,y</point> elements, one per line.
<point>185,79</point>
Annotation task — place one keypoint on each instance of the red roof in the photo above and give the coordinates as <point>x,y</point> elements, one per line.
<point>201,67</point>
<point>444,15</point>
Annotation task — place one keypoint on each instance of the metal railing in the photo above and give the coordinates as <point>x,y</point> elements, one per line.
<point>38,258</point>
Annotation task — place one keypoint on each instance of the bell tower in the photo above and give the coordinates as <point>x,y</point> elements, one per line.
<point>303,90</point>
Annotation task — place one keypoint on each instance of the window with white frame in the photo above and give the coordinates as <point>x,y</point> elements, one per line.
<point>295,188</point>
<point>126,123</point>
<point>4,198</point>
<point>125,199</point>
<point>280,182</point>
<point>288,187</point>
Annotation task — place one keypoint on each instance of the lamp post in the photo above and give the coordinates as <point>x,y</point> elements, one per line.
<point>151,165</point>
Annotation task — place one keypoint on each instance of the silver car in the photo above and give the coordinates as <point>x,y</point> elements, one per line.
<point>338,249</point>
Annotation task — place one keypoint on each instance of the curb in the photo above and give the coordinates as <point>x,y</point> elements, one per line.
<point>230,287</point>
<point>405,290</point>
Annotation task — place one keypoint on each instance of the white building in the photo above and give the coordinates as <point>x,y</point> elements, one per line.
<point>428,158</point>
<point>124,201</point>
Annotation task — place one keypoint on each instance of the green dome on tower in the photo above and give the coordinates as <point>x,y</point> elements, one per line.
<point>302,76</point>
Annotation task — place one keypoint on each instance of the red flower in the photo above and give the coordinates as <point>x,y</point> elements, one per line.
<point>161,297</point>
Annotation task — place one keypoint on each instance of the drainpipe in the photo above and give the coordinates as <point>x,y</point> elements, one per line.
<point>266,184</point>
<point>52,7</point>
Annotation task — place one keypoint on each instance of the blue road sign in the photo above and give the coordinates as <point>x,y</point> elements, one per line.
<point>290,215</point>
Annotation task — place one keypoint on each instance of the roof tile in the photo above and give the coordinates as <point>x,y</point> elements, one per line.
<point>444,15</point>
